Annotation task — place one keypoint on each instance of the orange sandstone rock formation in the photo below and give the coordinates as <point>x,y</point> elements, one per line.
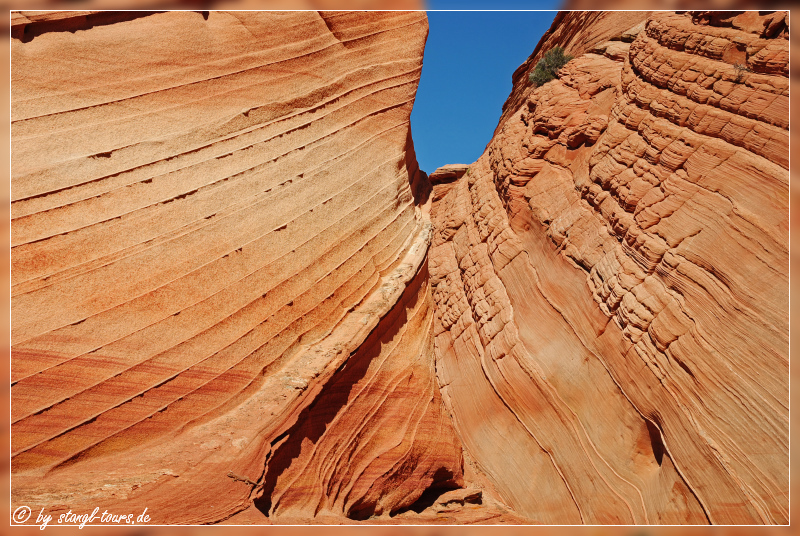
<point>236,298</point>
<point>577,32</point>
<point>219,277</point>
<point>611,280</point>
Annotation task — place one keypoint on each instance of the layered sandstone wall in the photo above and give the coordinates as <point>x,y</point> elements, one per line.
<point>576,32</point>
<point>219,277</point>
<point>611,280</point>
<point>236,296</point>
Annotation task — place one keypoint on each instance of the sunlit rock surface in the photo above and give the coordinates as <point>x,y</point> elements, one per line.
<point>237,299</point>
<point>219,277</point>
<point>611,280</point>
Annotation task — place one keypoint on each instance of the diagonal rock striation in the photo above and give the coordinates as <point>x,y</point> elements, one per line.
<point>235,297</point>
<point>612,277</point>
<point>219,274</point>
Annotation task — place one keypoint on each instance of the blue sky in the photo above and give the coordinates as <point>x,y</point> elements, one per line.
<point>495,4</point>
<point>466,76</point>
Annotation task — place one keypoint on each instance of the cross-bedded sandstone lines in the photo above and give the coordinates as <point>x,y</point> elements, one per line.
<point>376,437</point>
<point>621,250</point>
<point>235,296</point>
<point>210,213</point>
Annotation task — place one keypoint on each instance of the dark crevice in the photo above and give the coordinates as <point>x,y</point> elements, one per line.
<point>280,437</point>
<point>331,400</point>
<point>655,441</point>
<point>685,368</point>
<point>330,28</point>
<point>314,420</point>
<point>444,481</point>
<point>182,196</point>
<point>421,187</point>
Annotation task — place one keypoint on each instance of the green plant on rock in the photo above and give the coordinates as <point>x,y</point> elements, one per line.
<point>547,68</point>
<point>740,70</point>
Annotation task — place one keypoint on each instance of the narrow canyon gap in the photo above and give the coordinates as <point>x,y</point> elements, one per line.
<point>235,297</point>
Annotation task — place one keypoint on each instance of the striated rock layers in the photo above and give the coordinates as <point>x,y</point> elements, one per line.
<point>236,298</point>
<point>611,279</point>
<point>219,282</point>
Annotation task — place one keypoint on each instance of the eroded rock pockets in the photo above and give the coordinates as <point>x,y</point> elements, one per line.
<point>611,281</point>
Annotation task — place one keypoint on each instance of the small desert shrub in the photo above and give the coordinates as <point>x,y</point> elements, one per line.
<point>740,70</point>
<point>547,68</point>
